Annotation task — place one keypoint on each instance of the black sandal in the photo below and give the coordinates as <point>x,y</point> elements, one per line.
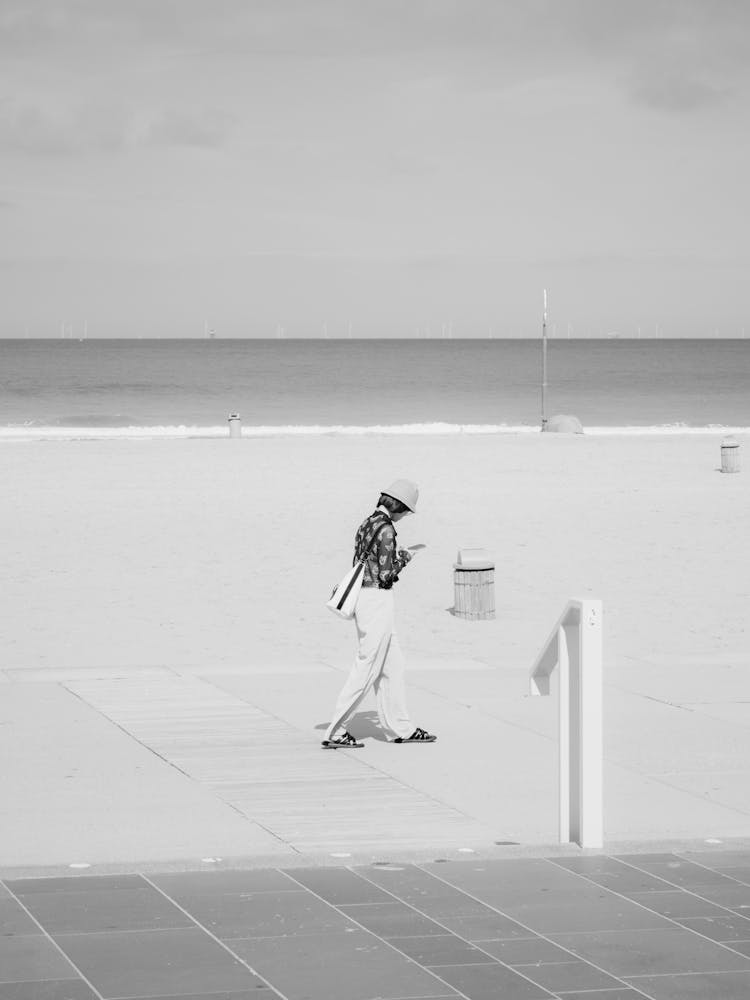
<point>347,741</point>
<point>418,736</point>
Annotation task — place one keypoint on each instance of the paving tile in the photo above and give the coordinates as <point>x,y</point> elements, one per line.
<point>610,914</point>
<point>678,871</point>
<point>654,859</point>
<point>75,883</point>
<point>447,905</point>
<point>491,982</point>
<point>339,885</point>
<point>708,986</point>
<point>405,881</point>
<point>444,950</point>
<point>14,919</point>
<point>677,903</point>
<point>32,956</point>
<point>501,884</point>
<point>119,910</point>
<point>265,914</point>
<point>734,896</point>
<point>718,859</point>
<point>523,873</point>
<point>739,874</point>
<point>149,963</point>
<point>260,993</point>
<point>630,952</point>
<point>623,993</point>
<point>527,951</point>
<point>48,989</point>
<point>349,966</point>
<point>613,874</point>
<point>177,884</point>
<point>479,926</point>
<point>565,976</point>
<point>392,919</point>
<point>507,899</point>
<point>724,928</point>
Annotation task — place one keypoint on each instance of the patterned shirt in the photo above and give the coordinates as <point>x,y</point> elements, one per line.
<point>384,562</point>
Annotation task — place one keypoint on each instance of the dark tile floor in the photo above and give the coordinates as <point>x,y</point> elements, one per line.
<point>667,927</point>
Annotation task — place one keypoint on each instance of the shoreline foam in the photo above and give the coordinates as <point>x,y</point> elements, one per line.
<point>184,431</point>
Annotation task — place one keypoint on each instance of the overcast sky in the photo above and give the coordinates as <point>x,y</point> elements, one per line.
<point>396,165</point>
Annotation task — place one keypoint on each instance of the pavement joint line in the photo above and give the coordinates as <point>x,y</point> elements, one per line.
<point>123,730</point>
<point>611,762</point>
<point>697,972</point>
<point>170,763</point>
<point>212,935</point>
<point>723,770</point>
<point>534,933</point>
<point>675,788</point>
<point>680,888</point>
<point>385,941</point>
<point>482,711</point>
<point>684,857</point>
<point>54,943</point>
<point>472,944</point>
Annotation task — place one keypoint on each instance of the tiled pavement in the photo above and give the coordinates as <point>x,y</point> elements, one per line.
<point>664,926</point>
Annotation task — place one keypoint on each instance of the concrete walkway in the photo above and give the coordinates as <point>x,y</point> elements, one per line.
<point>164,766</point>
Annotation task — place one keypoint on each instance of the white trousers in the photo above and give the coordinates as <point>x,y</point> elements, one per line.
<point>379,664</point>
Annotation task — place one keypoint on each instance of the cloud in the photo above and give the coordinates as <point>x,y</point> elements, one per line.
<point>46,130</point>
<point>679,56</point>
<point>679,92</point>
<point>42,130</point>
<point>203,128</point>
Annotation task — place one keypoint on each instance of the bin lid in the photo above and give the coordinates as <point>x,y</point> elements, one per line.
<point>474,559</point>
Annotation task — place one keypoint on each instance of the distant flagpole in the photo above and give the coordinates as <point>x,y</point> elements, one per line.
<point>544,363</point>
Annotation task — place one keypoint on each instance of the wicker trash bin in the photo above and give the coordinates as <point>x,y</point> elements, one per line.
<point>730,454</point>
<point>474,585</point>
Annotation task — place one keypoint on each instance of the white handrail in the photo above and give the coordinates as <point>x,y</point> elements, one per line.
<point>575,647</point>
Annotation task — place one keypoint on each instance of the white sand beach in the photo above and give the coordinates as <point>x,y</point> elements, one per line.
<point>214,558</point>
<point>216,553</point>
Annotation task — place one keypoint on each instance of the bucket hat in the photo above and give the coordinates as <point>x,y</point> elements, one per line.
<point>404,490</point>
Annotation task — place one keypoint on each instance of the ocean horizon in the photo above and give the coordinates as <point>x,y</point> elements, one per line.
<point>174,388</point>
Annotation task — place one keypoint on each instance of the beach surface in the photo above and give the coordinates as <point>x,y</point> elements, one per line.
<point>168,663</point>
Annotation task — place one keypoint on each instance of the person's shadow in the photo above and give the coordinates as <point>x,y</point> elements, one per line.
<point>362,725</point>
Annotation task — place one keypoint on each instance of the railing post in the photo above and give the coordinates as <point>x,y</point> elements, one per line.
<point>564,734</point>
<point>575,648</point>
<point>591,750</point>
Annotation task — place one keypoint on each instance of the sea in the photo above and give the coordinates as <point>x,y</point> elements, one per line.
<point>88,388</point>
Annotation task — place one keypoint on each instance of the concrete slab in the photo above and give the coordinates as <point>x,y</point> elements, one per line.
<point>155,763</point>
<point>76,789</point>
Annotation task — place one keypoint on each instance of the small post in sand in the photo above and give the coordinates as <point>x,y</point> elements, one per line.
<point>235,425</point>
<point>544,363</point>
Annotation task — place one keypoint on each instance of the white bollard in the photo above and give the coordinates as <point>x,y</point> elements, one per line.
<point>235,425</point>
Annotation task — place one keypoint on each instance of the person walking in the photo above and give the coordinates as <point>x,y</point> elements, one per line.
<point>379,663</point>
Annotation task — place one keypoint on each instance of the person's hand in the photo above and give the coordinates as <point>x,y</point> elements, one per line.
<point>404,555</point>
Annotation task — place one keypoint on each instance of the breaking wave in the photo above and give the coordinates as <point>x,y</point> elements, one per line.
<point>89,431</point>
